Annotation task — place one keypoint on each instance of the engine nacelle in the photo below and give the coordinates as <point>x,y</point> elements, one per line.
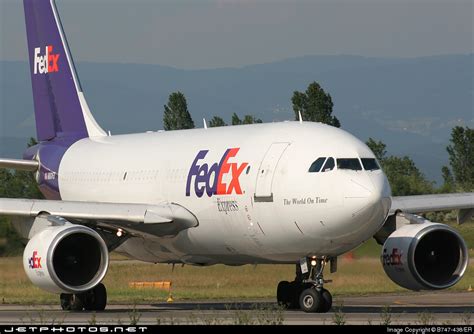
<point>426,256</point>
<point>68,258</point>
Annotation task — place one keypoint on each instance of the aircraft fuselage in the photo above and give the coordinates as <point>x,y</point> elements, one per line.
<point>249,187</point>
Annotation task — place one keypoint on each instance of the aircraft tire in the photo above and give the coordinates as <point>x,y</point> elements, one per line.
<point>95,299</point>
<point>326,301</point>
<point>284,293</point>
<point>310,300</point>
<point>70,302</point>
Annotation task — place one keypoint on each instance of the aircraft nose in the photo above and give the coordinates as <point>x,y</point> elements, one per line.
<point>382,191</point>
<point>368,197</point>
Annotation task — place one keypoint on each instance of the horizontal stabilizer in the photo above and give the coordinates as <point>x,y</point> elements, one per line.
<point>26,165</point>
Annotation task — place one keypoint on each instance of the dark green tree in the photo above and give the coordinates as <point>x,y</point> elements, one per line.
<point>378,148</point>
<point>32,142</point>
<point>403,175</point>
<point>249,119</point>
<point>15,184</point>
<point>236,120</point>
<point>216,121</point>
<point>461,157</point>
<point>19,184</point>
<point>176,115</point>
<point>448,184</point>
<point>315,105</point>
<point>10,241</point>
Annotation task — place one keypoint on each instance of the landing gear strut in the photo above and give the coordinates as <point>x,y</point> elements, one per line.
<point>307,290</point>
<point>92,300</point>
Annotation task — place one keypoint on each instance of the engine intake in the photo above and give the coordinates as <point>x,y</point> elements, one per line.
<point>426,256</point>
<point>68,258</point>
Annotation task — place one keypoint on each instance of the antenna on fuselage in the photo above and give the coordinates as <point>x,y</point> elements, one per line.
<point>205,124</point>
<point>300,117</point>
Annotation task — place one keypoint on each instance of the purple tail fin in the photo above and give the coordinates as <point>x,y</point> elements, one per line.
<point>60,107</point>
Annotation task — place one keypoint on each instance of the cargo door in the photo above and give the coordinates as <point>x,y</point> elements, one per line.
<point>266,172</point>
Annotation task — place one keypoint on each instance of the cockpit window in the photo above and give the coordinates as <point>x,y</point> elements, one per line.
<point>370,164</point>
<point>352,164</point>
<point>316,166</point>
<point>329,165</point>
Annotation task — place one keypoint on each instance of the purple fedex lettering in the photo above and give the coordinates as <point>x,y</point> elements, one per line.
<point>209,179</point>
<point>203,175</point>
<point>195,171</point>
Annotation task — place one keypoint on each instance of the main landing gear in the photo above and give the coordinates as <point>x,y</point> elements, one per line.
<point>92,300</point>
<point>306,292</point>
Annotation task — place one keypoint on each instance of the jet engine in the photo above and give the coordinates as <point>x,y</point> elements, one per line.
<point>427,256</point>
<point>68,258</point>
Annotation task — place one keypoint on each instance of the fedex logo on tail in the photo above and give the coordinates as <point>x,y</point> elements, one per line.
<point>210,179</point>
<point>46,63</point>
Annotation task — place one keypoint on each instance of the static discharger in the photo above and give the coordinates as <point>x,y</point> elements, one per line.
<point>162,285</point>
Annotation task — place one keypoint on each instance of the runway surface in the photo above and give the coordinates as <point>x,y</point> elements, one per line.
<point>411,308</point>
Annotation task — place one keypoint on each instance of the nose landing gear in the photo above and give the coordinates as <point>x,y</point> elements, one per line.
<point>307,290</point>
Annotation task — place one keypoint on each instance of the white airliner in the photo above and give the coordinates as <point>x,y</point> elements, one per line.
<point>293,192</point>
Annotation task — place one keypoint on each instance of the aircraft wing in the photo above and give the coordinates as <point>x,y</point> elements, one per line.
<point>464,202</point>
<point>404,209</point>
<point>164,219</point>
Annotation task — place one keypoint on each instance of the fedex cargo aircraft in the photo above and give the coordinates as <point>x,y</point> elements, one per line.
<point>293,192</point>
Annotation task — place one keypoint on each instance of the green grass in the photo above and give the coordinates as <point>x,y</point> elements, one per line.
<point>361,275</point>
<point>354,277</point>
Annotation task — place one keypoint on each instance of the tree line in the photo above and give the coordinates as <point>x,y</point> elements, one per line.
<point>314,105</point>
<point>176,115</point>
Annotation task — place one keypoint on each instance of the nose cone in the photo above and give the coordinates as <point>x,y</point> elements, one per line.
<point>367,199</point>
<point>381,191</point>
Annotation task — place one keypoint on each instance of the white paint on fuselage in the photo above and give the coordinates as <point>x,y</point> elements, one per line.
<point>311,213</point>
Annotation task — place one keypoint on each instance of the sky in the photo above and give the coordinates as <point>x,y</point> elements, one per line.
<point>197,34</point>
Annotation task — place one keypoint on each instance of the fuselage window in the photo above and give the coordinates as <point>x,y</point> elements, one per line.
<point>329,165</point>
<point>316,166</point>
<point>370,164</point>
<point>352,164</point>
